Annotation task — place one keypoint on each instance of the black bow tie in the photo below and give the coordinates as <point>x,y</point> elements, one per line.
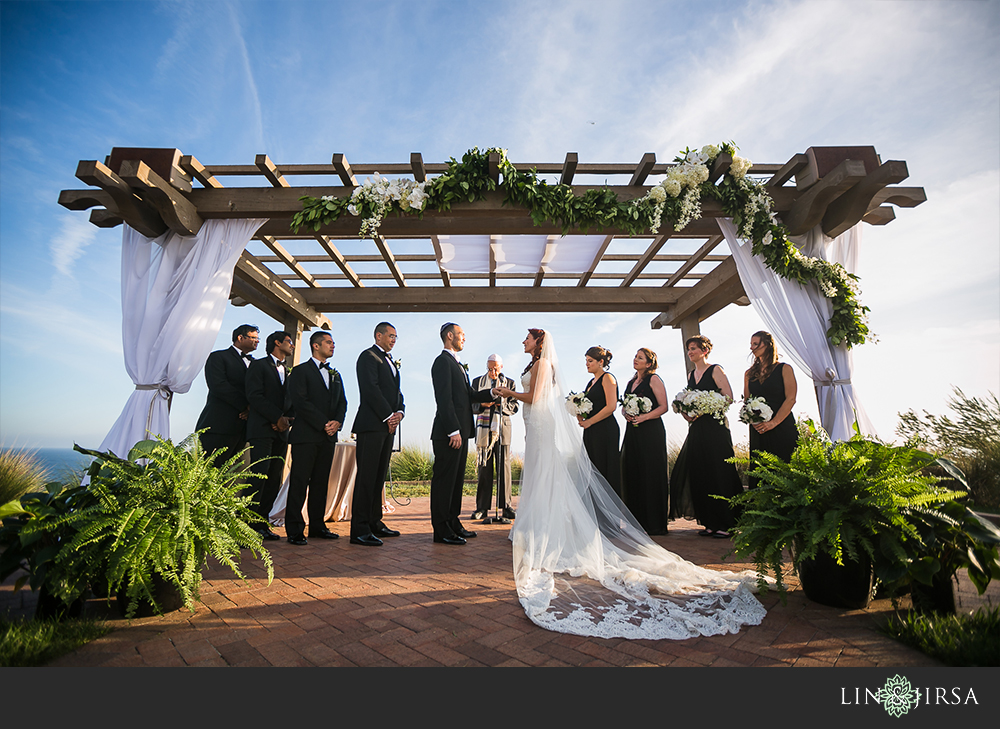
<point>325,366</point>
<point>247,357</point>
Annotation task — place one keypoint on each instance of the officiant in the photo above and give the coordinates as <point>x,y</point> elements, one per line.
<point>493,442</point>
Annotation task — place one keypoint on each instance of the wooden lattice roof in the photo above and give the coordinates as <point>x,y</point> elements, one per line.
<point>301,276</point>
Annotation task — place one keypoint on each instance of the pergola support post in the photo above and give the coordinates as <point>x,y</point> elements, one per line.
<point>690,327</point>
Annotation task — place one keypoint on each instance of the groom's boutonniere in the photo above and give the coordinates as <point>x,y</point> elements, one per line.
<point>397,363</point>
<point>334,375</point>
<point>465,366</point>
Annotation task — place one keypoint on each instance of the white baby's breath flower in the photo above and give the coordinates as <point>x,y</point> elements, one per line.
<point>710,151</point>
<point>657,194</point>
<point>671,186</point>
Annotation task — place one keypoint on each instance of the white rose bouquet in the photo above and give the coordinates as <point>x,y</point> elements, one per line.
<point>695,403</point>
<point>755,410</point>
<point>634,405</point>
<point>578,405</point>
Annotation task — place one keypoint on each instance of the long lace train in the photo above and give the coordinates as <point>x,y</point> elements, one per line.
<point>583,565</point>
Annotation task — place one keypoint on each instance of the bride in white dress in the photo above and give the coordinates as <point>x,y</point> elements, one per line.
<point>582,563</point>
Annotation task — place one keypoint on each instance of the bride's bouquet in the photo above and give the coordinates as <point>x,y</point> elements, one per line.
<point>634,405</point>
<point>695,403</point>
<point>578,405</point>
<point>755,410</point>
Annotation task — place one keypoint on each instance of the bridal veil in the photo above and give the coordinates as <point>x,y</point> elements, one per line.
<point>582,563</point>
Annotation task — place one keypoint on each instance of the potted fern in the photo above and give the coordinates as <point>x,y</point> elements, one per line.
<point>141,523</point>
<point>844,511</point>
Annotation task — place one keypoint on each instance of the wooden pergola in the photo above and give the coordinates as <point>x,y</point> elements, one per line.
<point>675,274</point>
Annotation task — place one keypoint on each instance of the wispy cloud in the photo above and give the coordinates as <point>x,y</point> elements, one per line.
<point>241,48</point>
<point>75,234</point>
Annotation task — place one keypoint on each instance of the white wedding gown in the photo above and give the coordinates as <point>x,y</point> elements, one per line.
<point>582,563</point>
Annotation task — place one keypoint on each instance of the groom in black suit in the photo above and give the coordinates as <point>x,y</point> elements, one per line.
<point>317,396</point>
<point>450,433</point>
<point>225,413</point>
<point>267,424</point>
<point>379,415</point>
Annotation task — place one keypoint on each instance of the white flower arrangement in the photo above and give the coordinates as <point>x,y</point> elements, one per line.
<point>634,405</point>
<point>579,405</point>
<point>755,410</point>
<point>377,196</point>
<point>695,403</point>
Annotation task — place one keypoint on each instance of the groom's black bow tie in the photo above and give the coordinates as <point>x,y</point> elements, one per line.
<point>325,366</point>
<point>247,356</point>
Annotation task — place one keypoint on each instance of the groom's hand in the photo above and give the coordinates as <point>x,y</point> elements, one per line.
<point>455,442</point>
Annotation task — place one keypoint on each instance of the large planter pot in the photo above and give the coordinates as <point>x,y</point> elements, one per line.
<point>167,597</point>
<point>850,585</point>
<point>937,597</point>
<point>50,607</point>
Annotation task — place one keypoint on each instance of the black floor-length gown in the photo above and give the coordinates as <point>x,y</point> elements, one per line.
<point>701,469</point>
<point>602,438</point>
<point>644,466</point>
<point>782,440</point>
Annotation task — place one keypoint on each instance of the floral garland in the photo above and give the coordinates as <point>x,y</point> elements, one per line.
<point>676,199</point>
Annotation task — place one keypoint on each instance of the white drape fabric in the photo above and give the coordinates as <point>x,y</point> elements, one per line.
<point>174,293</point>
<point>583,564</point>
<point>519,253</point>
<point>798,317</point>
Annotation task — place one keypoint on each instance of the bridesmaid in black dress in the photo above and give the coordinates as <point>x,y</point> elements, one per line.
<point>600,429</point>
<point>701,469</point>
<point>644,449</point>
<point>775,382</point>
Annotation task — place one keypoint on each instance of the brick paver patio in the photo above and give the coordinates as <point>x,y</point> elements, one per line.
<point>416,603</point>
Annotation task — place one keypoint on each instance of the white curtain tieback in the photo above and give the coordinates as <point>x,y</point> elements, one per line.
<point>161,390</point>
<point>831,379</point>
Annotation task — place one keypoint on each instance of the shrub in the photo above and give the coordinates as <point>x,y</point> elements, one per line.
<point>20,474</point>
<point>955,640</point>
<point>972,440</point>
<point>411,464</point>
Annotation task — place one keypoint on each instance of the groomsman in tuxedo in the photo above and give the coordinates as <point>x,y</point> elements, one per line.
<point>450,433</point>
<point>316,394</point>
<point>379,415</point>
<point>493,442</point>
<point>267,425</point>
<point>226,411</point>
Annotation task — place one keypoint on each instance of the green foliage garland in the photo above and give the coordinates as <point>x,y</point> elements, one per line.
<point>676,200</point>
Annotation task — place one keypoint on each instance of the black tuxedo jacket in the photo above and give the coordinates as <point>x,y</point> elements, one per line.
<point>454,396</point>
<point>380,393</point>
<point>267,397</point>
<point>314,404</point>
<point>225,373</point>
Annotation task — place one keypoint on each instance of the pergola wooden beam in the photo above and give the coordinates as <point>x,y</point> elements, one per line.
<point>569,168</point>
<point>722,283</point>
<point>197,170</point>
<point>484,276</point>
<point>792,167</point>
<point>810,207</point>
<point>844,212</point>
<point>646,257</point>
<point>643,169</point>
<point>439,256</point>
<point>140,215</point>
<point>175,209</point>
<point>338,258</point>
<point>484,298</point>
<point>598,257</point>
<point>288,259</point>
<point>696,258</point>
<point>257,275</point>
<point>547,254</point>
<point>493,260</point>
<point>343,168</point>
<point>390,261</point>
<point>270,172</point>
<point>417,166</point>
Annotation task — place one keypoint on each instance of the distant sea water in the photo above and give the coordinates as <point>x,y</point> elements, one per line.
<point>59,462</point>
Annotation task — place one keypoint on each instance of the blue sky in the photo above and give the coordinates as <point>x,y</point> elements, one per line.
<point>225,81</point>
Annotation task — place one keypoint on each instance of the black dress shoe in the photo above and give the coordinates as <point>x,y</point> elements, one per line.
<point>448,539</point>
<point>298,541</point>
<point>267,535</point>
<point>367,540</point>
<point>384,531</point>
<point>477,515</point>
<point>464,533</point>
<point>509,513</point>
<point>325,534</point>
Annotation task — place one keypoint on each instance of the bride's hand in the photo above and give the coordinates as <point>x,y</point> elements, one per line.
<point>503,392</point>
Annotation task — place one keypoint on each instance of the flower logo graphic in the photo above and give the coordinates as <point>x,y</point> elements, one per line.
<point>897,696</point>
